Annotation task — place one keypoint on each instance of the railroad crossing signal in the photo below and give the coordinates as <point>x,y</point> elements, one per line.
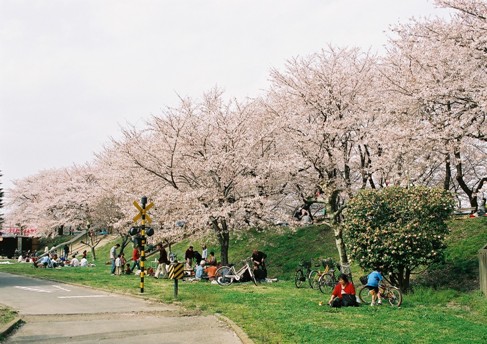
<point>144,217</point>
<point>143,211</point>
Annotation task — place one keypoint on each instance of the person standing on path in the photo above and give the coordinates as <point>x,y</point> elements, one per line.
<point>162,261</point>
<point>113,257</point>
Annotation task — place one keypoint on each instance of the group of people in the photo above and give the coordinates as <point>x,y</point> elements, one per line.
<point>199,265</point>
<point>205,265</point>
<point>344,295</point>
<point>119,264</point>
<point>51,260</point>
<point>191,256</point>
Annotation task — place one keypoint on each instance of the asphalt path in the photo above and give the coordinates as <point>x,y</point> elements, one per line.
<point>58,313</point>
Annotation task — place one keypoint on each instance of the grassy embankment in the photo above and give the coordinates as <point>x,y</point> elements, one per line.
<point>281,313</point>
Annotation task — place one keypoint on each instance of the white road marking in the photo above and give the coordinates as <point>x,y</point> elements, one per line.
<point>33,289</point>
<point>81,296</point>
<point>56,286</point>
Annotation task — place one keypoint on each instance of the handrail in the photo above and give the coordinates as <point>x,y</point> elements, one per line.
<point>75,239</point>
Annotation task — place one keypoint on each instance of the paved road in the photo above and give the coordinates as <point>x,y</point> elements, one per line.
<point>58,313</point>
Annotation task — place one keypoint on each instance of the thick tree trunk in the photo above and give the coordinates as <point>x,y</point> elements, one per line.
<point>401,278</point>
<point>472,197</point>
<point>223,236</point>
<point>342,251</point>
<point>334,205</point>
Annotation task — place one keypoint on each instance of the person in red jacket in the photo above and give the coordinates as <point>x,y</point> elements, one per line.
<point>343,294</point>
<point>135,258</point>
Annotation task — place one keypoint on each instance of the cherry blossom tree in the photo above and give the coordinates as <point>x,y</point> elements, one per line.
<point>53,198</point>
<point>326,104</point>
<point>436,70</point>
<point>205,166</point>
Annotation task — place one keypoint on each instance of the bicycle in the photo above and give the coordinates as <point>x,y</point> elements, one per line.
<point>316,276</point>
<point>388,292</point>
<point>328,280</point>
<point>225,275</point>
<point>301,275</point>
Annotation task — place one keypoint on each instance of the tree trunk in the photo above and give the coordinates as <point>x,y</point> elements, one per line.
<point>92,246</point>
<point>223,235</point>
<point>472,197</point>
<point>342,251</point>
<point>401,278</point>
<point>334,205</point>
<point>446,182</point>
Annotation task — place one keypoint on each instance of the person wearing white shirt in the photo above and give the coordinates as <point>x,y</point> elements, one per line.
<point>74,261</point>
<point>83,262</point>
<point>204,253</point>
<point>118,265</point>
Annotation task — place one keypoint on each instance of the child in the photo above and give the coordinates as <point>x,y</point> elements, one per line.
<point>373,280</point>
<point>118,265</point>
<point>128,271</point>
<point>123,261</point>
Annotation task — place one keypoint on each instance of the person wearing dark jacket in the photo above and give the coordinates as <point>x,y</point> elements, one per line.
<point>189,255</point>
<point>258,258</point>
<point>162,261</point>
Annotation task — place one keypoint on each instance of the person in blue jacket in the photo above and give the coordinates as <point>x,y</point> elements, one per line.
<point>373,280</point>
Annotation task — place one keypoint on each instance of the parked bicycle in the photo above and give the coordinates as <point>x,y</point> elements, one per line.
<point>302,273</point>
<point>316,277</point>
<point>328,280</point>
<point>226,275</point>
<point>388,292</point>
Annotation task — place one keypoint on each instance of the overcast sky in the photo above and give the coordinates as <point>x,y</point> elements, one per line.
<point>73,72</point>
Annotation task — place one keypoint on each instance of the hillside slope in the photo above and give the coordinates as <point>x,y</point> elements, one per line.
<point>286,248</point>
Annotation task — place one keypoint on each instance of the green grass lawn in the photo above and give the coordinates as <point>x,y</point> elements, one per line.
<point>281,313</point>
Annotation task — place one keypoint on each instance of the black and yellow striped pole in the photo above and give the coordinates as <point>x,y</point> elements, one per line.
<point>142,245</point>
<point>145,218</point>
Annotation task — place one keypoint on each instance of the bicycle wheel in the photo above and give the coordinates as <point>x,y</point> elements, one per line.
<point>252,275</point>
<point>365,296</point>
<point>313,279</point>
<point>221,276</point>
<point>394,296</point>
<point>299,278</point>
<point>326,283</point>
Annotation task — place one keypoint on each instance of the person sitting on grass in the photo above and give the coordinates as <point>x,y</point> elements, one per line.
<point>200,269</point>
<point>343,294</point>
<point>83,262</point>
<point>74,261</point>
<point>211,272</point>
<point>45,262</point>
<point>128,270</point>
<point>211,259</point>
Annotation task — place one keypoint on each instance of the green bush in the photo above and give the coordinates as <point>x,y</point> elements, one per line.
<point>397,229</point>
